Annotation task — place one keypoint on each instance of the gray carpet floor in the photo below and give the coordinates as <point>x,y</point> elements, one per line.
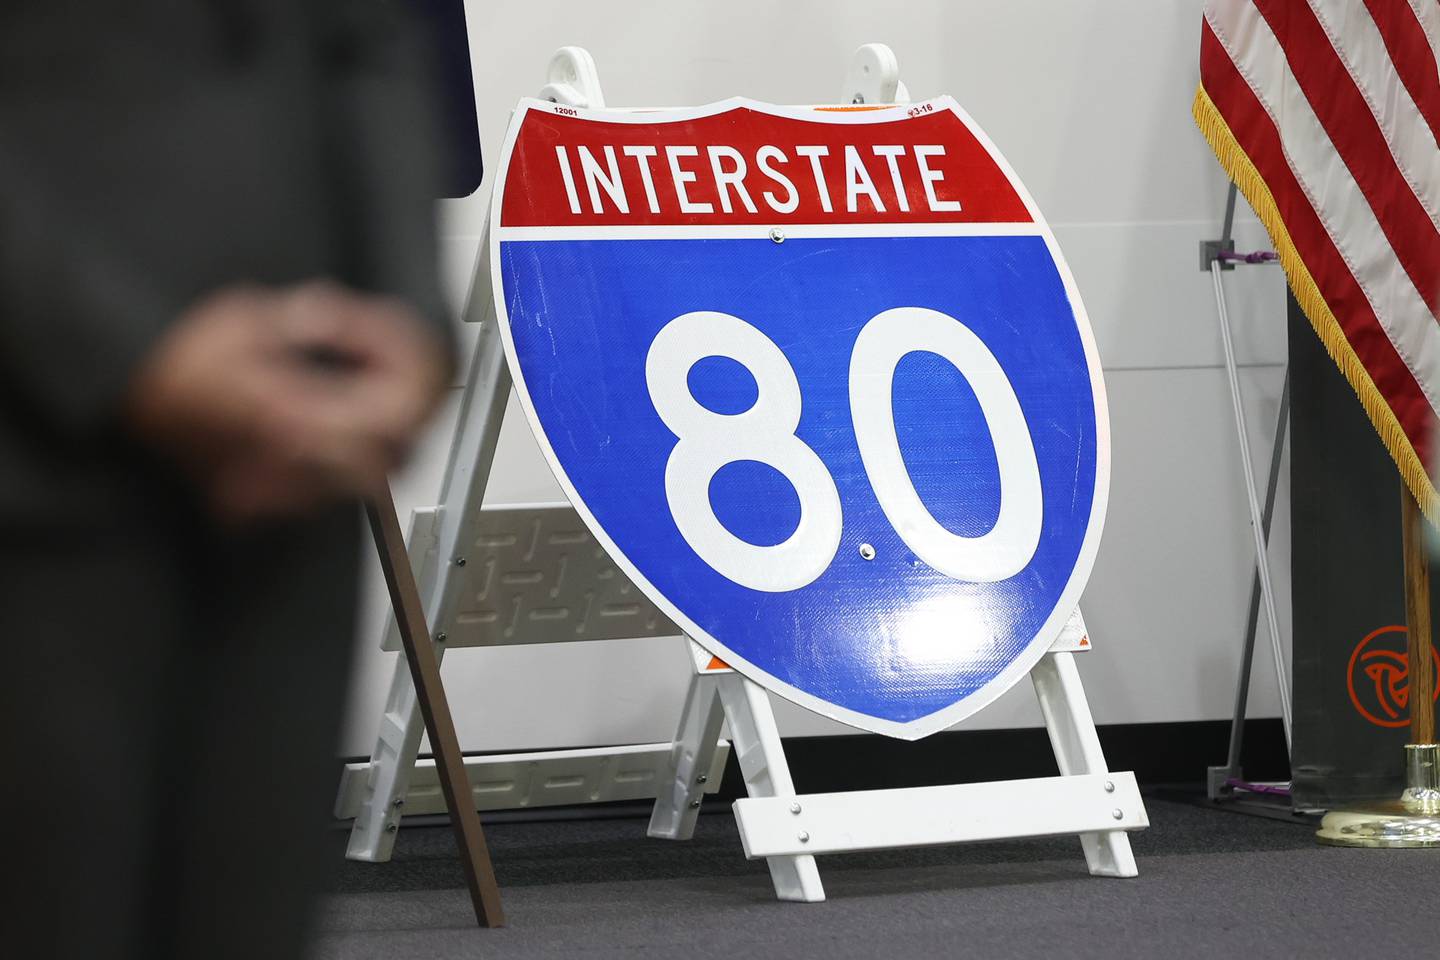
<point>1211,884</point>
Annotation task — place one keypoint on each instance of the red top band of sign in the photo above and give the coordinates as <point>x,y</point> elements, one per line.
<point>744,166</point>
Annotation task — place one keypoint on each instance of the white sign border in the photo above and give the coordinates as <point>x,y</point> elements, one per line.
<point>1069,599</point>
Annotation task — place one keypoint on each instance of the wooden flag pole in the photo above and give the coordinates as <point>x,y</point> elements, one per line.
<point>430,692</point>
<point>1421,697</point>
<point>1414,819</point>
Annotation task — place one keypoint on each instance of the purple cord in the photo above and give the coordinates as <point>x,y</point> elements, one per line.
<point>1277,790</point>
<point>1258,256</point>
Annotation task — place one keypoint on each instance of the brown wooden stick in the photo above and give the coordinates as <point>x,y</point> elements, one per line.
<point>1421,695</point>
<point>425,671</point>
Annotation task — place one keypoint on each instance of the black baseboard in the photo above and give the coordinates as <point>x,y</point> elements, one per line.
<point>1157,753</point>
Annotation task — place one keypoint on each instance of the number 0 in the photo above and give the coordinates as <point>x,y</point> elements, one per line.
<point>1007,547</point>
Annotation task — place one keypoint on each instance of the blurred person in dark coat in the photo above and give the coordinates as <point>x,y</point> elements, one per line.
<point>219,327</point>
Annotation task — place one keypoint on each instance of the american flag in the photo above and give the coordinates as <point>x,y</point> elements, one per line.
<point>1326,113</point>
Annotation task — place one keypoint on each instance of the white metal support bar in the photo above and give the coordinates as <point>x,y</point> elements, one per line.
<point>1218,257</point>
<point>757,746</point>
<point>928,816</point>
<point>1078,754</point>
<point>1257,523</point>
<point>692,754</point>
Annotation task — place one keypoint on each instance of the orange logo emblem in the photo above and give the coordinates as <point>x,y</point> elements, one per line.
<point>1379,677</point>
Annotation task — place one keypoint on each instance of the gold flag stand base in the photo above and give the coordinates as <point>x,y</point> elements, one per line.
<point>1411,821</point>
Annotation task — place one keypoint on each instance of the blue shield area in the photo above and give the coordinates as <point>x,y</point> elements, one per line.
<point>887,637</point>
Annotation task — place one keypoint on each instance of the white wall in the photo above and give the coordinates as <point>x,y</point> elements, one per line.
<point>1090,102</point>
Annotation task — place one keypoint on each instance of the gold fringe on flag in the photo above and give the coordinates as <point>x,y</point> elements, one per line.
<point>1242,170</point>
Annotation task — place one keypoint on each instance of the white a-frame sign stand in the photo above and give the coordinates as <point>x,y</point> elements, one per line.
<point>534,573</point>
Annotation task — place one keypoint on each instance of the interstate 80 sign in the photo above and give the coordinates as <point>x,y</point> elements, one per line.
<point>821,383</point>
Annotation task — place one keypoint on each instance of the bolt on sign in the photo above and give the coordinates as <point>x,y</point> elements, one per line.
<point>819,380</point>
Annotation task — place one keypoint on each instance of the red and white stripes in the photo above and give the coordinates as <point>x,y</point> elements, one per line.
<point>1327,114</point>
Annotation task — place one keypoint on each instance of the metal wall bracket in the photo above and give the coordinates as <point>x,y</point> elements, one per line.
<point>1211,250</point>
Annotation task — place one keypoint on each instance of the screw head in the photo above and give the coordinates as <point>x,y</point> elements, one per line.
<point>859,97</point>
<point>694,804</point>
<point>441,637</point>
<point>460,561</point>
<point>1117,814</point>
<point>702,778</point>
<point>803,836</point>
<point>777,234</point>
<point>391,827</point>
<point>794,808</point>
<point>1109,786</point>
<point>398,802</point>
<point>867,552</point>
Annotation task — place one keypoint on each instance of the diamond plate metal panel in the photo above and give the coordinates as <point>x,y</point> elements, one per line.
<point>547,779</point>
<point>535,574</point>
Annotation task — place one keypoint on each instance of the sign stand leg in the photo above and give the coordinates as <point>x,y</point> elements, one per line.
<point>1085,800</point>
<point>857,821</point>
<point>430,692</point>
<point>372,837</point>
<point>717,693</point>
<point>487,389</point>
<point>756,740</point>
<point>1077,752</point>
<point>692,756</point>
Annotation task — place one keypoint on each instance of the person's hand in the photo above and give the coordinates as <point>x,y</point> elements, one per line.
<point>279,401</point>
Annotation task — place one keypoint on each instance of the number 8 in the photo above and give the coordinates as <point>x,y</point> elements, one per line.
<point>764,433</point>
